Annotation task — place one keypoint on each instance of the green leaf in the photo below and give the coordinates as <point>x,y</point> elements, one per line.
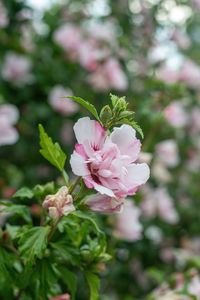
<point>44,277</point>
<point>32,243</point>
<point>93,282</point>
<point>24,192</point>
<point>12,230</point>
<point>70,280</point>
<point>67,252</point>
<point>21,210</point>
<point>52,152</point>
<point>87,105</point>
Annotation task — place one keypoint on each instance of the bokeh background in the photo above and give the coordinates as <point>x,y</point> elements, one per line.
<point>147,50</point>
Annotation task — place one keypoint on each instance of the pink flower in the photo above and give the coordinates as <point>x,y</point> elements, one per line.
<point>66,133</point>
<point>8,117</point>
<point>107,163</point>
<point>109,75</point>
<point>158,202</point>
<point>69,37</point>
<point>175,114</point>
<point>104,204</point>
<point>62,105</point>
<point>60,204</point>
<point>3,16</point>
<point>128,226</point>
<point>167,153</point>
<point>90,53</point>
<point>190,74</point>
<point>16,69</point>
<point>194,287</point>
<point>61,297</point>
<point>181,39</point>
<point>168,75</point>
<point>196,3</point>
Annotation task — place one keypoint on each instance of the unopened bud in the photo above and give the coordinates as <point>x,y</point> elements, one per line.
<point>106,114</point>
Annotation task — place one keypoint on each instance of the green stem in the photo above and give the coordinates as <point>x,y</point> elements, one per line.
<point>65,176</point>
<point>71,189</point>
<point>53,229</point>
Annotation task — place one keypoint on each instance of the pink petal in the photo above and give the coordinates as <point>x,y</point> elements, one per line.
<point>137,175</point>
<point>86,129</point>
<point>104,204</point>
<point>90,183</point>
<point>124,138</point>
<point>78,165</point>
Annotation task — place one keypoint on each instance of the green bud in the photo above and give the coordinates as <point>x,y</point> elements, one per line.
<point>106,114</point>
<point>114,99</point>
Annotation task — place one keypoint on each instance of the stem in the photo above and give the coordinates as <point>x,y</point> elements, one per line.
<point>71,189</point>
<point>65,176</point>
<point>12,248</point>
<point>53,229</point>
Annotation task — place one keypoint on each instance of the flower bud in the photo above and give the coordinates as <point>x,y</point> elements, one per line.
<point>106,114</point>
<point>60,204</point>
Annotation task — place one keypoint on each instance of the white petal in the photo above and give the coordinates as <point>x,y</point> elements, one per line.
<point>124,137</point>
<point>78,165</point>
<point>138,174</point>
<point>86,129</point>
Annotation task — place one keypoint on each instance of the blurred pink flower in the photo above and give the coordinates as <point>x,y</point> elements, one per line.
<point>196,3</point>
<point>107,163</point>
<point>3,16</point>
<point>109,75</point>
<point>168,75</point>
<point>190,74</point>
<point>195,120</point>
<point>167,153</point>
<point>8,117</point>
<point>68,37</point>
<point>181,39</point>
<point>16,69</point>
<point>91,53</point>
<point>60,204</point>
<point>66,133</point>
<point>61,297</point>
<point>175,114</point>
<point>158,202</point>
<point>160,172</point>
<point>62,105</point>
<point>127,225</point>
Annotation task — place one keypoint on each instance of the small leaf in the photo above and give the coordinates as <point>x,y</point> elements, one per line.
<point>21,210</point>
<point>33,243</point>
<point>93,282</point>
<point>52,152</point>
<point>24,192</point>
<point>87,105</point>
<point>70,280</point>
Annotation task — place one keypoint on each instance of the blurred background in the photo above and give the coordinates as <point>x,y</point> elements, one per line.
<point>147,50</point>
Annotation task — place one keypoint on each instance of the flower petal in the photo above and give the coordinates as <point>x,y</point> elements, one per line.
<point>104,204</point>
<point>78,165</point>
<point>124,137</point>
<point>86,129</point>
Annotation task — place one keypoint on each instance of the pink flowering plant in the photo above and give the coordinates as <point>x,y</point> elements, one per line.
<point>59,234</point>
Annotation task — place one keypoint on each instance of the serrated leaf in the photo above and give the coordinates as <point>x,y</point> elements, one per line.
<point>24,192</point>
<point>70,280</point>
<point>67,252</point>
<point>87,105</point>
<point>12,230</point>
<point>52,152</point>
<point>93,282</point>
<point>20,210</point>
<point>32,243</point>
